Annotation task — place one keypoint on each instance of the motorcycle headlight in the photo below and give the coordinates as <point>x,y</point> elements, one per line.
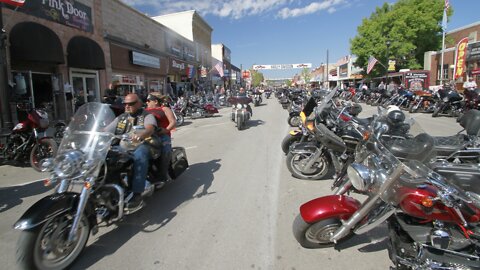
<point>360,176</point>
<point>68,163</point>
<point>239,106</point>
<point>47,165</point>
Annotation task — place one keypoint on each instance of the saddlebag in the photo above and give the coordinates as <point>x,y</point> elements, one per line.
<point>179,162</point>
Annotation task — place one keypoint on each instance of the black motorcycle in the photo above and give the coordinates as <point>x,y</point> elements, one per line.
<point>449,103</point>
<point>241,111</point>
<point>93,178</point>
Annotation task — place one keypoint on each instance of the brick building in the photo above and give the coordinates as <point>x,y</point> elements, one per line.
<point>433,59</point>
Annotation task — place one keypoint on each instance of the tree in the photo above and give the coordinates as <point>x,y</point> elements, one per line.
<point>412,27</point>
<point>306,75</point>
<point>257,77</point>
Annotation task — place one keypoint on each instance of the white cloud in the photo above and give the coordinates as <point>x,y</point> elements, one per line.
<point>314,7</point>
<point>234,9</point>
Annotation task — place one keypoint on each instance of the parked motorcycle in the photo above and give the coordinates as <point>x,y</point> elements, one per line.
<point>449,103</point>
<point>240,110</point>
<point>422,101</point>
<point>93,178</point>
<point>194,108</point>
<point>28,140</point>
<point>432,223</point>
<point>472,99</point>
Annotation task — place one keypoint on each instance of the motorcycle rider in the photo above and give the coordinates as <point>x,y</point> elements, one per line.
<point>135,115</point>
<point>470,84</point>
<point>243,93</point>
<point>156,105</point>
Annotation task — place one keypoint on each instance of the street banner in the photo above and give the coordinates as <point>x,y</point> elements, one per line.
<point>283,66</point>
<point>460,55</point>
<point>391,65</point>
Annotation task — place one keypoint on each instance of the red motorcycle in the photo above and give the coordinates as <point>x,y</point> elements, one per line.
<point>432,223</point>
<point>194,107</point>
<point>28,142</point>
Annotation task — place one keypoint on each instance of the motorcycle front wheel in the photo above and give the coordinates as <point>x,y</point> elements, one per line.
<point>180,120</point>
<point>296,165</point>
<point>294,121</point>
<point>239,122</point>
<point>315,235</point>
<point>45,246</point>
<point>46,148</point>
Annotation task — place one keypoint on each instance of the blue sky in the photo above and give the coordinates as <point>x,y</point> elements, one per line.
<point>288,31</point>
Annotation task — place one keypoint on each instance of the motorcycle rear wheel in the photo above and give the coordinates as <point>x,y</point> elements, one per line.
<point>315,235</point>
<point>46,148</point>
<point>295,167</point>
<point>239,122</point>
<point>37,250</point>
<point>180,120</point>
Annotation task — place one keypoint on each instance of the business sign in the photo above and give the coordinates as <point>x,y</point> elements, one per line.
<point>391,65</point>
<point>343,71</point>
<point>473,51</point>
<point>145,60</point>
<point>460,55</point>
<point>246,74</point>
<point>283,66</point>
<point>417,80</point>
<point>66,12</point>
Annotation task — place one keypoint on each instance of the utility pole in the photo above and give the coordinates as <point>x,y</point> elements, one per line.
<point>6,117</point>
<point>328,83</point>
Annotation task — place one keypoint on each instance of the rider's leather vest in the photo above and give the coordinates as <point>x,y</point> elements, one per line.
<point>126,121</point>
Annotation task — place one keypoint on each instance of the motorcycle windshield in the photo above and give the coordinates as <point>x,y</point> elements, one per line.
<point>397,163</point>
<point>325,101</point>
<point>85,132</point>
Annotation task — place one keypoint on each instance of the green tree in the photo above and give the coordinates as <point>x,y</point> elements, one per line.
<point>306,75</point>
<point>411,26</point>
<point>257,77</point>
<point>288,82</point>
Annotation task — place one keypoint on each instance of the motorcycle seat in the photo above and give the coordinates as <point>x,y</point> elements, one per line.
<point>418,148</point>
<point>363,121</point>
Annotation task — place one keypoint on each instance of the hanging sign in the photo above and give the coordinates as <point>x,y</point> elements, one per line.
<point>460,55</point>
<point>282,66</point>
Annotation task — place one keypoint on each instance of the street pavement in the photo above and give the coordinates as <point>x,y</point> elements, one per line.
<point>232,209</point>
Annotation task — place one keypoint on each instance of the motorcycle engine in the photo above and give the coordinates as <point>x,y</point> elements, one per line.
<point>197,114</point>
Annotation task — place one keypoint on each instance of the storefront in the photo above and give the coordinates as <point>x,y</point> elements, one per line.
<point>182,76</point>
<point>134,71</point>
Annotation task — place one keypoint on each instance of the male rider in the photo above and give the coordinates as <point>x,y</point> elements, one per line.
<point>135,115</point>
<point>470,84</point>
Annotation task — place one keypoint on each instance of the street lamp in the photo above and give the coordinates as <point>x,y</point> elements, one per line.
<point>386,66</point>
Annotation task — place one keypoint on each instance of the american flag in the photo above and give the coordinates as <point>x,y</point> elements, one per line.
<point>219,68</point>
<point>371,62</point>
<point>447,4</point>
<point>17,3</point>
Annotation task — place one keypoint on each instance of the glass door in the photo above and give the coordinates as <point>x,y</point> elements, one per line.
<point>85,87</point>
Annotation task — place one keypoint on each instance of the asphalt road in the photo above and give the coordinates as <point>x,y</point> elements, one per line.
<point>232,209</point>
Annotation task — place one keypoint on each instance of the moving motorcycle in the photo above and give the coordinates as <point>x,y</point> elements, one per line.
<point>432,223</point>
<point>92,177</point>
<point>240,110</point>
<point>257,98</point>
<point>28,140</point>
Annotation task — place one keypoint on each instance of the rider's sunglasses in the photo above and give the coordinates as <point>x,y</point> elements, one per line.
<point>130,103</point>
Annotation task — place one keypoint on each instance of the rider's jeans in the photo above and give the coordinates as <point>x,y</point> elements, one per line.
<point>141,159</point>
<point>166,156</point>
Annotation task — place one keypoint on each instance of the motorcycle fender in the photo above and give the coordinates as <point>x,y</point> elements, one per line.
<point>295,132</point>
<point>303,147</point>
<point>292,114</point>
<point>332,206</point>
<point>49,207</point>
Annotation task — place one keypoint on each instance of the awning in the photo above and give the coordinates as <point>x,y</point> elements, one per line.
<point>34,42</point>
<point>85,53</point>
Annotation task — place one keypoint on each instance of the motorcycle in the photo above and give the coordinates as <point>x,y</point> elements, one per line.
<point>432,223</point>
<point>28,140</point>
<point>193,108</point>
<point>472,99</point>
<point>334,137</point>
<point>268,93</point>
<point>240,111</point>
<point>449,102</point>
<point>257,98</point>
<point>92,175</point>
<point>422,101</point>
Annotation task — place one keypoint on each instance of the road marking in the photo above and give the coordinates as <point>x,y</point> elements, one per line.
<point>191,147</point>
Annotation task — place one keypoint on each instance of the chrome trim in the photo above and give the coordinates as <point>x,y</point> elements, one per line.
<point>121,201</point>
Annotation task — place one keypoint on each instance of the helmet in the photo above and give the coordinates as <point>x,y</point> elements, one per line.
<point>392,108</point>
<point>355,109</point>
<point>395,117</point>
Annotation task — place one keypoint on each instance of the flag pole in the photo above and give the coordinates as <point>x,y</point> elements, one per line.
<point>444,26</point>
